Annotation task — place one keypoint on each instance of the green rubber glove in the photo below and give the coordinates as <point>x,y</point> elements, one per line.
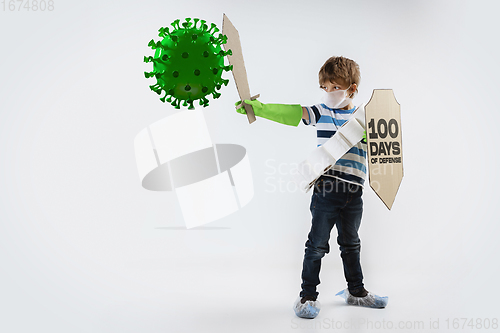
<point>281,113</point>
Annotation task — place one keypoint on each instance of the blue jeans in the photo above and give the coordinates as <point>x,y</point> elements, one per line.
<point>338,203</point>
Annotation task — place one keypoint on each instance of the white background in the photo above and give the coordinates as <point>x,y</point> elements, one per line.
<point>84,248</point>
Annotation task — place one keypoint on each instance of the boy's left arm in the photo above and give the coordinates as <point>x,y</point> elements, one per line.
<point>282,113</point>
<point>305,115</point>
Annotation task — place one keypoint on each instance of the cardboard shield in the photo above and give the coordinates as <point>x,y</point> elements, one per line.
<point>384,144</point>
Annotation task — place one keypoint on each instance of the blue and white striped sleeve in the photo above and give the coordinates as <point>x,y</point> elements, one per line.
<point>314,115</point>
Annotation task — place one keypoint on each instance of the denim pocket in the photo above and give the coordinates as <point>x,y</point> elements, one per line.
<point>324,186</point>
<point>319,185</point>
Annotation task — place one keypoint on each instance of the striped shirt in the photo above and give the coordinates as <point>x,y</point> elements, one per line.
<point>352,166</point>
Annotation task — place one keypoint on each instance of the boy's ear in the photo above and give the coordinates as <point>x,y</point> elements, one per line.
<point>353,88</point>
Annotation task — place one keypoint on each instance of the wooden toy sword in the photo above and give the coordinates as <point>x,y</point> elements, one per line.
<point>236,60</point>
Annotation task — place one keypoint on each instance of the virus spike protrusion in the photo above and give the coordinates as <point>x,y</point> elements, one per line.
<point>204,27</point>
<point>163,32</point>
<point>175,24</point>
<point>177,103</point>
<point>164,97</point>
<point>156,88</point>
<point>159,45</point>
<point>188,63</point>
<point>214,28</point>
<point>222,38</point>
<point>147,75</point>
<point>187,24</point>
<point>159,74</point>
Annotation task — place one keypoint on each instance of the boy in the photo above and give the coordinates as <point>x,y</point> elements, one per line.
<point>336,198</point>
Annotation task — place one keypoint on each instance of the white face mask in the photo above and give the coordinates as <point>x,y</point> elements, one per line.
<point>337,99</point>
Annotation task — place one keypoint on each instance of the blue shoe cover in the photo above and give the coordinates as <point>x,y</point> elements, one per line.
<point>309,309</point>
<point>369,301</point>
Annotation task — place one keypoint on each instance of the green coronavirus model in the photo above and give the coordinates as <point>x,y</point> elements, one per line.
<point>188,63</point>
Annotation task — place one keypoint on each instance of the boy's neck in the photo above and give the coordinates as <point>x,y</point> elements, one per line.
<point>348,106</point>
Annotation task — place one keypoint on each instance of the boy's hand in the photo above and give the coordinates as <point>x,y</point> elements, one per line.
<point>256,105</point>
<point>281,113</point>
